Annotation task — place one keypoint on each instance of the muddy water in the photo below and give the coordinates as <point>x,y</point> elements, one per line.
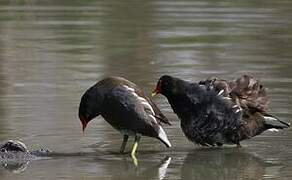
<point>52,51</point>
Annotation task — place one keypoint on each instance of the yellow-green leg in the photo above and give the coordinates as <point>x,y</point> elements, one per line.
<point>134,149</point>
<point>125,139</point>
<point>135,146</point>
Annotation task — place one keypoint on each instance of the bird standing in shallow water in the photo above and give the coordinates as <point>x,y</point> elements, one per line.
<point>123,105</point>
<point>216,112</point>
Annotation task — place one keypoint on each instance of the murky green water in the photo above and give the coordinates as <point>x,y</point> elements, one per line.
<point>51,51</point>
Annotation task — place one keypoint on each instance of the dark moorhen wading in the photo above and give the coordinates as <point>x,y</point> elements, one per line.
<point>216,112</point>
<point>123,105</point>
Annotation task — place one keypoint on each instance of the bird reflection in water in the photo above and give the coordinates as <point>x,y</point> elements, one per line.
<point>224,164</point>
<point>151,172</point>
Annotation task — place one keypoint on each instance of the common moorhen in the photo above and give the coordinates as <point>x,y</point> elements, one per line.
<point>123,105</point>
<point>215,111</point>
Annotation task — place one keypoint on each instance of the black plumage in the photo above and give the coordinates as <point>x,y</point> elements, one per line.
<point>215,111</point>
<point>123,105</point>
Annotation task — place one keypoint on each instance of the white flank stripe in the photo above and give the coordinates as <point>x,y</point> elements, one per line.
<point>148,106</point>
<point>270,118</point>
<point>235,106</point>
<point>142,100</point>
<point>237,110</point>
<point>135,94</point>
<point>273,130</point>
<point>128,88</point>
<point>227,98</point>
<point>163,137</point>
<point>152,117</point>
<point>220,92</point>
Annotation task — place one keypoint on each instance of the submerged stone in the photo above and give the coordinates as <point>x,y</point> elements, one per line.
<point>13,145</point>
<point>14,155</point>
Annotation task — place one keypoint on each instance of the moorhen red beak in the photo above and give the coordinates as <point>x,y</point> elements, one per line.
<point>84,123</point>
<point>157,90</point>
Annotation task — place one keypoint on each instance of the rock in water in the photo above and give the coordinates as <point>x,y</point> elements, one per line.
<point>15,156</point>
<point>13,145</point>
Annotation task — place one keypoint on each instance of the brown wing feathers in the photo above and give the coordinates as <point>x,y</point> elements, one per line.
<point>250,92</point>
<point>245,91</point>
<point>251,97</point>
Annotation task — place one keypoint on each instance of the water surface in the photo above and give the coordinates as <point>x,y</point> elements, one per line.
<point>52,51</point>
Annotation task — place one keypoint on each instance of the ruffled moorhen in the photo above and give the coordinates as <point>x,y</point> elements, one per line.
<point>216,112</point>
<point>123,105</point>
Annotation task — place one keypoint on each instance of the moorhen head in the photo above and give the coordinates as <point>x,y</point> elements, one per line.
<point>89,107</point>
